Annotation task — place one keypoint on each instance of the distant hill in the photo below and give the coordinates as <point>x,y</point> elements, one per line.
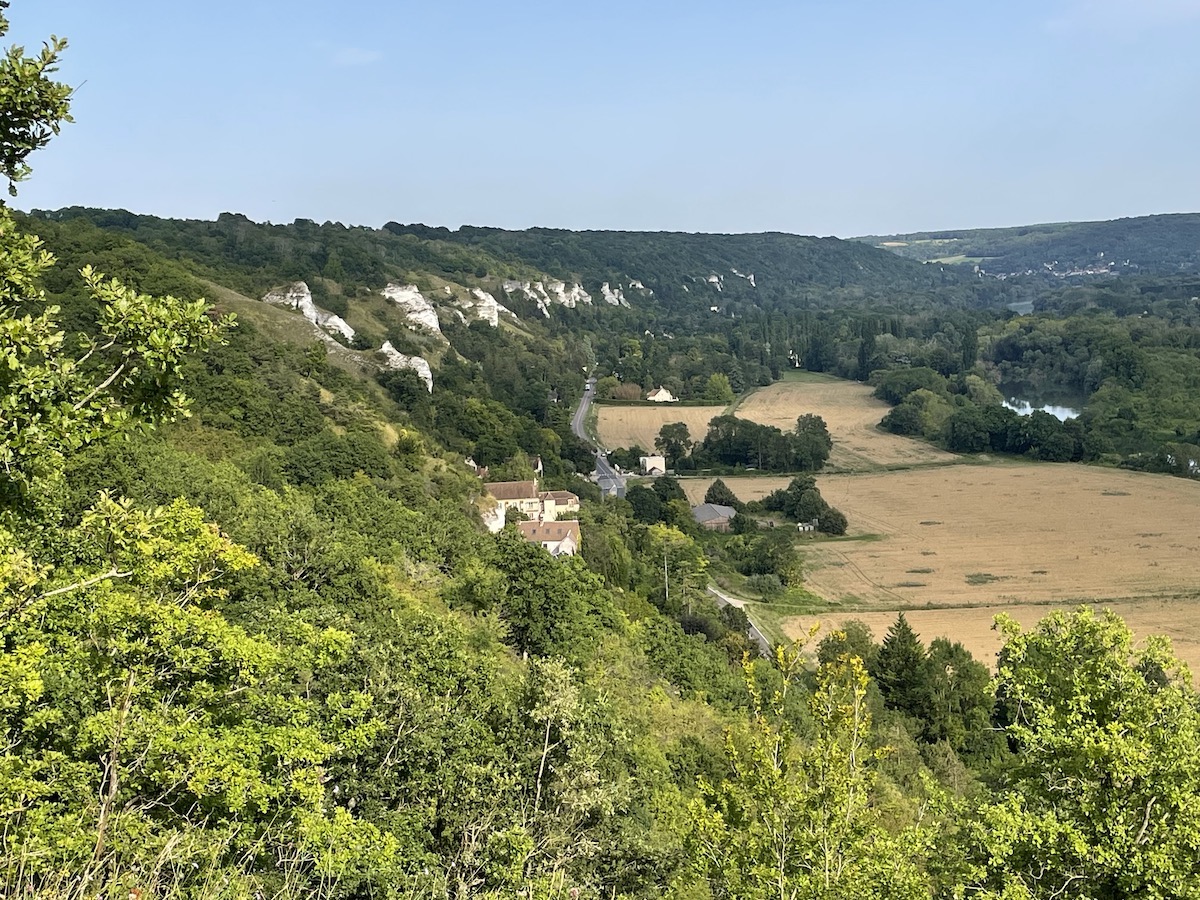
<point>770,267</point>
<point>532,271</point>
<point>1148,245</point>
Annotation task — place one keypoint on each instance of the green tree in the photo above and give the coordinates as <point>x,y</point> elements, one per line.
<point>1104,801</point>
<point>55,398</point>
<point>719,492</point>
<point>796,819</point>
<point>854,638</point>
<point>718,390</point>
<point>552,607</point>
<point>676,568</point>
<point>813,444</point>
<point>33,105</point>
<point>141,724</point>
<point>902,670</point>
<point>966,430</point>
<point>960,696</point>
<point>673,442</point>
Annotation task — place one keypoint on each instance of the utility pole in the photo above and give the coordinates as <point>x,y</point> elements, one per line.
<point>666,581</point>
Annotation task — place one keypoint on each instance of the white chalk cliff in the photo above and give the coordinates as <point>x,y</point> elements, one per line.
<point>535,293</point>
<point>416,308</point>
<point>488,308</point>
<point>568,295</point>
<point>614,297</point>
<point>394,359</point>
<point>297,296</point>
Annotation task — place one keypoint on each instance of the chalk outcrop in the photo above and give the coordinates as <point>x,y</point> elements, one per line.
<point>488,308</point>
<point>614,297</point>
<point>416,308</point>
<point>569,296</point>
<point>543,294</point>
<point>534,293</point>
<point>394,359</point>
<point>297,296</point>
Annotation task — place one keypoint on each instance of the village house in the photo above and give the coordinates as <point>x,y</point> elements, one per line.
<point>713,516</point>
<point>558,505</point>
<point>661,395</point>
<point>519,495</point>
<point>534,505</point>
<point>559,538</point>
<point>653,465</point>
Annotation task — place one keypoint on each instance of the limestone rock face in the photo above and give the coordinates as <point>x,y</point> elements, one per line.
<point>416,308</point>
<point>394,359</point>
<point>297,296</point>
<point>488,308</point>
<point>544,294</point>
<point>568,296</point>
<point>614,297</point>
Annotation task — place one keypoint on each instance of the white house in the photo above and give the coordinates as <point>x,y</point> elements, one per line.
<point>653,465</point>
<point>558,505</point>
<point>519,495</point>
<point>662,395</point>
<point>535,505</point>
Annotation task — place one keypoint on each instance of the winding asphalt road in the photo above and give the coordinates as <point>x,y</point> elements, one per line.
<point>755,635</point>
<point>609,479</point>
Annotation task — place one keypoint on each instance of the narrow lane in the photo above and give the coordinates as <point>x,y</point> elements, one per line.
<point>609,479</point>
<point>755,635</point>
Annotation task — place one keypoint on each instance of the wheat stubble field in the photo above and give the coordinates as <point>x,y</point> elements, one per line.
<point>852,415</point>
<point>638,426</point>
<point>1018,537</point>
<point>975,540</point>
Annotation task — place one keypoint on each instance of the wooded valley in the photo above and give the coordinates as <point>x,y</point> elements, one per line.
<point>257,641</point>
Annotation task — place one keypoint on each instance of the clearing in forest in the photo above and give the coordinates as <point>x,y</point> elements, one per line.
<point>638,426</point>
<point>852,415</point>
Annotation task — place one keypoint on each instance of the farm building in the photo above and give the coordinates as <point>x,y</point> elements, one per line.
<point>713,516</point>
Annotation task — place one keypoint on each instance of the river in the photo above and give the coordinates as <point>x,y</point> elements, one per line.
<point>1023,400</point>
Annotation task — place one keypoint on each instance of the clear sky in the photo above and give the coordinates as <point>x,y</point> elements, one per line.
<point>838,117</point>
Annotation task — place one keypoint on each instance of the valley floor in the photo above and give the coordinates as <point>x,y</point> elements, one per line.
<point>956,544</point>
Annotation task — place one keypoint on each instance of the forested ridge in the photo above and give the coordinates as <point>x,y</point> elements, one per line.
<point>256,642</point>
<point>1157,245</point>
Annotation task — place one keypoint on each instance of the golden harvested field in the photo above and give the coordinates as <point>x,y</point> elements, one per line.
<point>630,426</point>
<point>973,627</point>
<point>1009,533</point>
<point>852,415</point>
<point>1021,538</point>
<point>746,487</point>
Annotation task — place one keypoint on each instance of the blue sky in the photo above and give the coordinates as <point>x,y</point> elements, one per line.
<point>829,117</point>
